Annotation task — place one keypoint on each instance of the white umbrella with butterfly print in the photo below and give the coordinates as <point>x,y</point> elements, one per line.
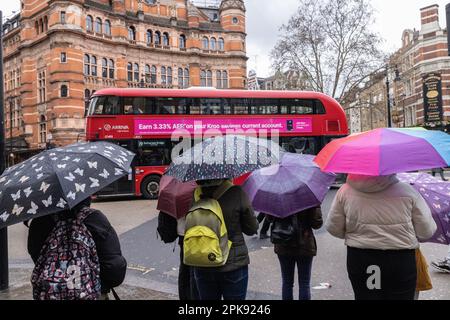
<point>59,179</point>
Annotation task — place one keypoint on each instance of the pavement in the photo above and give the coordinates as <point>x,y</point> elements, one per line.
<point>153,266</point>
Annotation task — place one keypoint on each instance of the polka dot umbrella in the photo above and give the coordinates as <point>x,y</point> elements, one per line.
<point>224,157</point>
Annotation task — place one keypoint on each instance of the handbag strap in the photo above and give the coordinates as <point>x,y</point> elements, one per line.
<point>116,296</point>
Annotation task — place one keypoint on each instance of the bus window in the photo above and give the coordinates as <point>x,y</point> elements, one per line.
<point>301,145</point>
<point>239,106</point>
<point>153,153</point>
<point>301,106</point>
<point>211,106</point>
<point>166,105</point>
<point>264,106</point>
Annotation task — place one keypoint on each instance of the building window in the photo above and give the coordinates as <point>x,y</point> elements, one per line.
<point>87,65</point>
<point>153,74</point>
<point>94,66</point>
<point>169,76</point>
<point>42,129</point>
<point>108,28</point>
<point>186,78</point>
<point>64,91</point>
<point>157,38</point>
<point>130,71</point>
<point>111,66</point>
<point>235,20</point>
<point>163,76</point>
<point>42,84</point>
<point>213,44</point>
<point>206,78</point>
<point>166,41</point>
<point>132,33</point>
<point>136,72</point>
<point>209,78</point>
<point>98,25</point>
<point>219,79</point>
<point>182,41</point>
<point>147,73</point>
<point>149,37</point>
<point>87,96</point>
<point>205,43</point>
<point>89,23</point>
<point>221,44</point>
<point>63,57</point>
<point>104,68</point>
<point>224,80</point>
<point>62,17</point>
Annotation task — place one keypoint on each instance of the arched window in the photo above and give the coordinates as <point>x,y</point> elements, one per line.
<point>166,41</point>
<point>87,65</point>
<point>180,78</point>
<point>182,41</point>
<point>94,66</point>
<point>64,91</point>
<point>111,68</point>
<point>221,44</point>
<point>169,76</point>
<point>130,71</point>
<point>132,33</point>
<point>42,129</point>
<point>36,27</point>
<point>45,23</point>
<point>163,76</point>
<point>157,38</point>
<point>136,72</point>
<point>149,37</point>
<point>98,25</point>
<point>153,74</point>
<point>203,78</point>
<point>186,78</point>
<point>41,25</point>
<point>89,23</point>
<point>224,80</point>
<point>213,44</point>
<point>107,27</point>
<point>104,68</point>
<point>219,80</point>
<point>209,78</point>
<point>147,73</point>
<point>205,43</point>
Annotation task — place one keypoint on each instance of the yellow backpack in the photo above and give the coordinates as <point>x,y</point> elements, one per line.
<point>206,241</point>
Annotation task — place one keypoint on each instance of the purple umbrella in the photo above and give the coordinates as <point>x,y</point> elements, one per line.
<point>294,185</point>
<point>437,195</point>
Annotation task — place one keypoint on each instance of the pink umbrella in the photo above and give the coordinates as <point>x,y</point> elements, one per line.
<point>175,197</point>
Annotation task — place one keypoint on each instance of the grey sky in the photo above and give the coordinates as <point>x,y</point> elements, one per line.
<point>264,18</point>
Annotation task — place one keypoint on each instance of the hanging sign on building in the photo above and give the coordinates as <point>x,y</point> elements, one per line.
<point>432,97</point>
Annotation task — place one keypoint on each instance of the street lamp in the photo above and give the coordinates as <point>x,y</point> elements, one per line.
<point>388,93</point>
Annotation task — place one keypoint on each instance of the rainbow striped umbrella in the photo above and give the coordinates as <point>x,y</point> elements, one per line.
<point>386,151</point>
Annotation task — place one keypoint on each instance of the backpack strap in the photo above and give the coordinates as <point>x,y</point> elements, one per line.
<point>84,213</point>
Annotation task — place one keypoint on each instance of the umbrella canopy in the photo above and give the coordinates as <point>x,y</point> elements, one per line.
<point>224,157</point>
<point>296,184</point>
<point>59,179</point>
<point>386,151</point>
<point>175,197</point>
<point>437,195</point>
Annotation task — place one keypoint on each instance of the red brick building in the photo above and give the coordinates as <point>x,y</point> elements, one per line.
<point>57,53</point>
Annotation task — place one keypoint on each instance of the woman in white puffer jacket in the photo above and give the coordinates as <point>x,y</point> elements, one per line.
<point>381,220</point>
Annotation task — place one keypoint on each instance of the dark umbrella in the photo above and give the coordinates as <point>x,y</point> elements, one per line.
<point>175,197</point>
<point>437,195</point>
<point>224,157</point>
<point>59,179</point>
<point>296,184</point>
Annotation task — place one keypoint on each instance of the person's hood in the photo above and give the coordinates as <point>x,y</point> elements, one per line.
<point>370,184</point>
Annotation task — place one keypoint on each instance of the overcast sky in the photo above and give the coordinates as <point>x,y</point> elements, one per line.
<point>264,18</point>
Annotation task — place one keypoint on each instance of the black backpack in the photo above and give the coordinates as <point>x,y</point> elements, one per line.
<point>167,227</point>
<point>285,231</point>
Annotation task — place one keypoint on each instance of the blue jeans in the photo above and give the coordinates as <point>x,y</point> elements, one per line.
<point>213,285</point>
<point>304,266</point>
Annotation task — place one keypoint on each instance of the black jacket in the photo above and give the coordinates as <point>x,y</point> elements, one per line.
<point>113,265</point>
<point>239,220</point>
<point>306,242</point>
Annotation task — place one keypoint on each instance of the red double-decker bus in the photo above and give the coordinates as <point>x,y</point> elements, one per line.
<point>143,120</point>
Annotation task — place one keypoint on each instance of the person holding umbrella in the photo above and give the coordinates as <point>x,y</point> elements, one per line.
<point>53,189</point>
<point>290,195</point>
<point>380,218</point>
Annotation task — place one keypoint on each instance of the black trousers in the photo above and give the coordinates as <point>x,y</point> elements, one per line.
<point>266,224</point>
<point>187,288</point>
<point>381,274</point>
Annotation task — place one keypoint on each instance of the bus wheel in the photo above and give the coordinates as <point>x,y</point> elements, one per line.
<point>150,187</point>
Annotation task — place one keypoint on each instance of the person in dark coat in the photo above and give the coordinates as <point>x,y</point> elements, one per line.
<point>113,265</point>
<point>265,227</point>
<point>231,280</point>
<point>300,253</point>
